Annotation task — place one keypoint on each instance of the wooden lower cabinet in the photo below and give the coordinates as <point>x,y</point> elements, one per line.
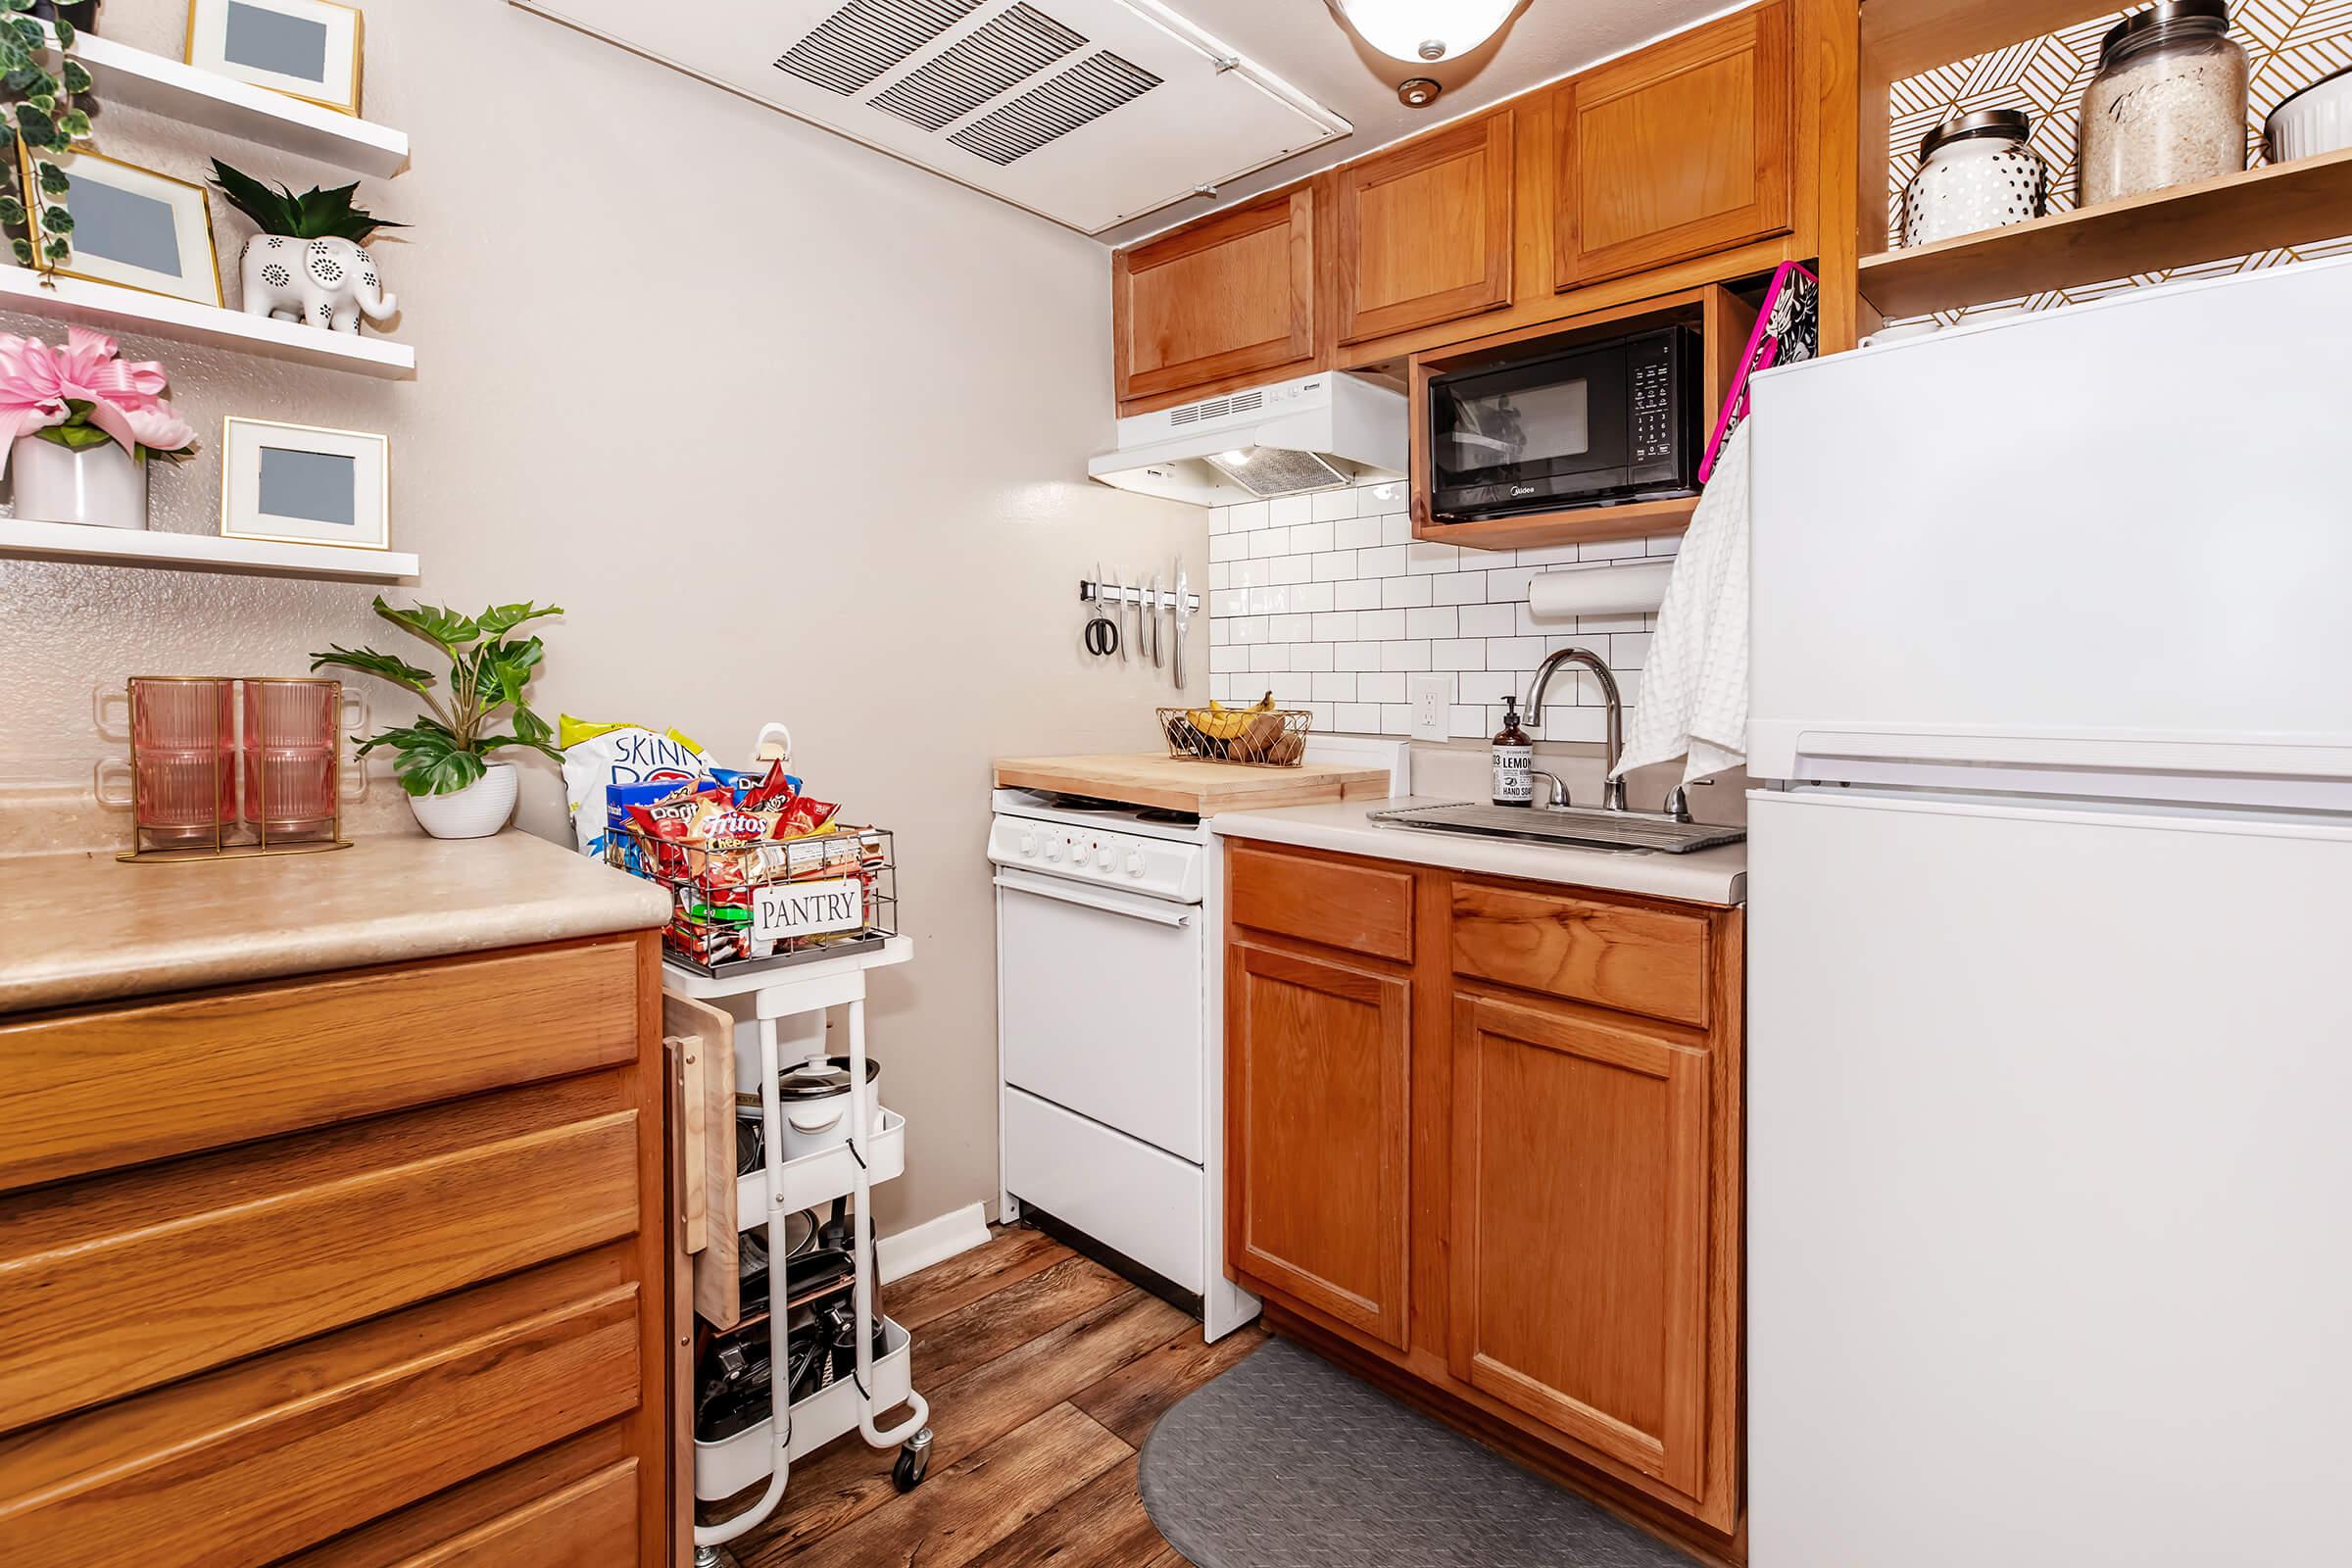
<point>1322,1045</point>
<point>309,1309</point>
<point>1521,1197</point>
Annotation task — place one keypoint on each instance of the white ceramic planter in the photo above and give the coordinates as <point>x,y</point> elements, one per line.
<point>103,486</point>
<point>476,811</point>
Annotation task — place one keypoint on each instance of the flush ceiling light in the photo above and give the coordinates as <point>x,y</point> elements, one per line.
<point>1424,29</point>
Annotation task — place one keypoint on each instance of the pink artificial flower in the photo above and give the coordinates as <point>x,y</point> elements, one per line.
<point>126,396</point>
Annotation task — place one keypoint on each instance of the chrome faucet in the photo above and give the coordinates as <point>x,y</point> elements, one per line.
<point>1612,790</point>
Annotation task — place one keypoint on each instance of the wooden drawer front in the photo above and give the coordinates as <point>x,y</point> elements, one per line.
<point>1355,907</point>
<point>1232,295</point>
<point>1425,231</point>
<point>90,1091</point>
<point>1623,955</point>
<point>574,1504</point>
<point>242,1466</point>
<point>113,1284</point>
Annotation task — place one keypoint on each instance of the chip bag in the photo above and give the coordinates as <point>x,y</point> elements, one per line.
<point>597,757</point>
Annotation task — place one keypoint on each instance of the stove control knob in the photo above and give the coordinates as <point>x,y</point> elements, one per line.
<point>1054,849</point>
<point>1135,863</point>
<point>1029,844</point>
<point>1105,857</point>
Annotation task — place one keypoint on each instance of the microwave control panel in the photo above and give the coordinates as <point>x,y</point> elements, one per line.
<point>1654,397</point>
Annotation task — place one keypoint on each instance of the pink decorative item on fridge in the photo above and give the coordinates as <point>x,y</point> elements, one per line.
<point>1788,331</point>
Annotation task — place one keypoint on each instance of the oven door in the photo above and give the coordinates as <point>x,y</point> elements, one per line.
<point>1529,436</point>
<point>1100,1004</point>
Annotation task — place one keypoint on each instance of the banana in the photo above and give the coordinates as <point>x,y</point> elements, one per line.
<point>1221,723</point>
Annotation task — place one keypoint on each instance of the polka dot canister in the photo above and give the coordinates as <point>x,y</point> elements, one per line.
<point>1975,173</point>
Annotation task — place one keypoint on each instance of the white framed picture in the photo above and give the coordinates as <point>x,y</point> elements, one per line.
<point>132,227</point>
<point>307,49</point>
<point>297,484</point>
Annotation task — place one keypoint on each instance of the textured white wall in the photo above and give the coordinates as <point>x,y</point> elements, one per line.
<point>791,430</point>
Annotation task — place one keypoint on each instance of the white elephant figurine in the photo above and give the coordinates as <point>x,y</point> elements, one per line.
<point>327,282</point>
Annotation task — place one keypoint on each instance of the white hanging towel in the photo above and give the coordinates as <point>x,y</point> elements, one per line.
<point>1694,686</point>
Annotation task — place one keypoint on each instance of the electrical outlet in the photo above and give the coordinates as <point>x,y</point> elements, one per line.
<point>1431,697</point>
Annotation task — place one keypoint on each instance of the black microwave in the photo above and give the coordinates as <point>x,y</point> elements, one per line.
<point>1593,426</point>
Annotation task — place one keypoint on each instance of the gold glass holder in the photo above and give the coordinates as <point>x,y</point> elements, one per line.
<point>232,838</point>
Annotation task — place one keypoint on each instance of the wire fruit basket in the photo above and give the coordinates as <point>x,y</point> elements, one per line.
<point>740,908</point>
<point>1263,736</point>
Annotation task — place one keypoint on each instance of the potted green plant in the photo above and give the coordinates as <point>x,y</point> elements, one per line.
<point>48,112</point>
<point>444,760</point>
<point>307,263</point>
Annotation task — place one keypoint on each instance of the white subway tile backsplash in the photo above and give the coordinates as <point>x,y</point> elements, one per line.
<point>1486,620</point>
<point>1406,654</point>
<point>1331,600</point>
<point>1461,588</point>
<point>1403,593</point>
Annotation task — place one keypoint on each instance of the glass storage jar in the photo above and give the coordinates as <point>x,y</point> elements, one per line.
<point>1975,173</point>
<point>2168,105</point>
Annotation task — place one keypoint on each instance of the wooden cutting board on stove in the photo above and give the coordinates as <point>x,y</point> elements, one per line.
<point>1174,784</point>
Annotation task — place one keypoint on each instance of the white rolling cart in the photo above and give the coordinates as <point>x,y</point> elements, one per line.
<point>788,1007</point>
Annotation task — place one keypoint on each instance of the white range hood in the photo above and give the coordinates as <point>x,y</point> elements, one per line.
<point>1087,112</point>
<point>1318,432</point>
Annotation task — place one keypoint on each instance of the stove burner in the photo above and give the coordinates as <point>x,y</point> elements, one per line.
<point>1079,803</point>
<point>1154,814</point>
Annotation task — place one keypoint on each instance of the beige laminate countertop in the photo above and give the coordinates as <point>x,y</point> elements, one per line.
<point>80,928</point>
<point>1710,876</point>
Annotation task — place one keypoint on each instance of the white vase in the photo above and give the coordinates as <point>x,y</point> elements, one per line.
<point>103,486</point>
<point>476,811</point>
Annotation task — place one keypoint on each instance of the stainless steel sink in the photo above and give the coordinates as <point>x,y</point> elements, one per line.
<point>1569,828</point>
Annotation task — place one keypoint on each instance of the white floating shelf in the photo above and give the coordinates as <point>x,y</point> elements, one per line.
<point>199,552</point>
<point>137,79</point>
<point>126,309</point>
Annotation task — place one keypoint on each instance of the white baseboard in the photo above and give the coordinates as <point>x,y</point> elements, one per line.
<point>934,1240</point>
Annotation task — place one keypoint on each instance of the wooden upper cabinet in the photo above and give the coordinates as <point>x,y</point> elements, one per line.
<point>1676,151</point>
<point>1226,301</point>
<point>1423,231</point>
<point>1319,1056</point>
<point>1580,1236</point>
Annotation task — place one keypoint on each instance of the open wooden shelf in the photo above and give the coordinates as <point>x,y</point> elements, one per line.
<point>126,309</point>
<point>198,552</point>
<point>1635,519</point>
<point>136,80</point>
<point>2236,214</point>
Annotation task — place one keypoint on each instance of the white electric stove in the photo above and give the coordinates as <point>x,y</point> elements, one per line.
<point>1108,997</point>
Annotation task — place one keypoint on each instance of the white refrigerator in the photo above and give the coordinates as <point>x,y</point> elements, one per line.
<point>2050,952</point>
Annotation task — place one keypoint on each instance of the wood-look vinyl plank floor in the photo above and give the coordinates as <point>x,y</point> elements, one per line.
<point>1045,1372</point>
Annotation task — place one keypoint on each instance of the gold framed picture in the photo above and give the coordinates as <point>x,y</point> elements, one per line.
<point>132,226</point>
<point>307,49</point>
<point>299,484</point>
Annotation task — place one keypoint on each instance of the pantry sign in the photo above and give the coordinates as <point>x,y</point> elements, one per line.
<point>785,910</point>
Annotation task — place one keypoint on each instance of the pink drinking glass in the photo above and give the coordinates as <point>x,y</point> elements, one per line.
<point>292,752</point>
<point>183,748</point>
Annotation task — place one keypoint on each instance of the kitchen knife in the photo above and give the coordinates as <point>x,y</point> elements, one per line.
<point>1184,614</point>
<point>1155,580</point>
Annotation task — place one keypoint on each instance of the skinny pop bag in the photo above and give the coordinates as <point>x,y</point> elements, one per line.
<point>597,757</point>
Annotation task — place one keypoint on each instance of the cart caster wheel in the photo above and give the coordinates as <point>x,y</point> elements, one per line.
<point>715,1558</point>
<point>914,1461</point>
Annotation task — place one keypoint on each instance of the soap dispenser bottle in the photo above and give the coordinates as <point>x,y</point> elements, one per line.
<point>1515,759</point>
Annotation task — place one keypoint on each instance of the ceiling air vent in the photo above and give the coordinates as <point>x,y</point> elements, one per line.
<point>859,44</point>
<point>1091,112</point>
<point>1079,96</point>
<point>989,63</point>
